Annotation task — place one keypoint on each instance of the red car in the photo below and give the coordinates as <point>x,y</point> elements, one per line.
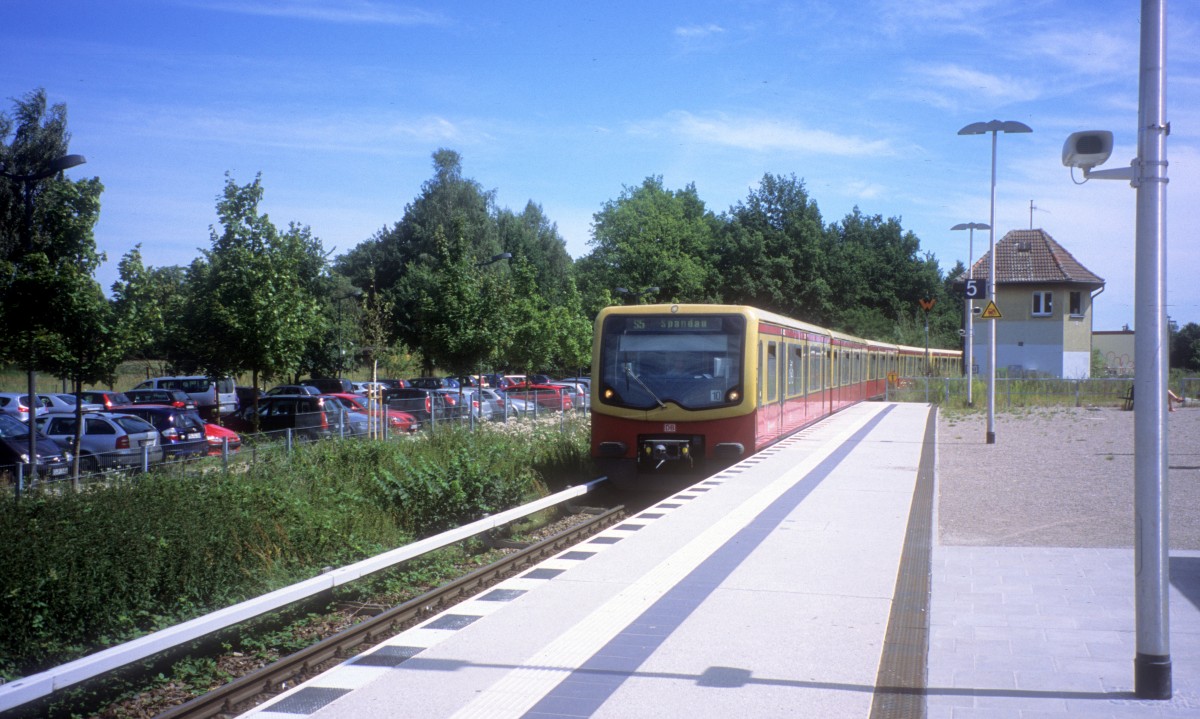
<point>547,396</point>
<point>216,436</point>
<point>397,421</point>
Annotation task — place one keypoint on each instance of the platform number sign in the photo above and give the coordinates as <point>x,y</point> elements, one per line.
<point>975,289</point>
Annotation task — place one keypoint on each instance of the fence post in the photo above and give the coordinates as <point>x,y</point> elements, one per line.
<point>946,384</point>
<point>145,458</point>
<point>287,440</point>
<point>1077,382</point>
<point>926,389</point>
<point>20,479</point>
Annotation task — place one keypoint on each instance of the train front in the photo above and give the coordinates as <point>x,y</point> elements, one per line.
<point>671,389</point>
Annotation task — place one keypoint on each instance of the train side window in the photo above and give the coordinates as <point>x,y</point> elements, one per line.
<point>772,372</point>
<point>814,367</point>
<point>796,370</point>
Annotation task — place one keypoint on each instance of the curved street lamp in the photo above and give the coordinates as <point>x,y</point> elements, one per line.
<point>981,128</point>
<point>28,182</point>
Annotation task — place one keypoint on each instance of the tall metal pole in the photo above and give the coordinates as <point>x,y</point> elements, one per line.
<point>991,387</point>
<point>1152,663</point>
<point>979,128</point>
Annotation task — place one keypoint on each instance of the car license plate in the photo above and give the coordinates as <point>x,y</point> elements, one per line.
<point>58,471</point>
<point>195,435</point>
<point>146,443</point>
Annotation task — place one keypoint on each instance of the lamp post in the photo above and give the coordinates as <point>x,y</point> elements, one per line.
<point>980,128</point>
<point>341,352</point>
<point>28,182</point>
<point>637,296</point>
<point>972,226</point>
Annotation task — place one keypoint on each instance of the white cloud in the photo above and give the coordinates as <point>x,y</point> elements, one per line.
<point>693,32</point>
<point>763,135</point>
<point>986,87</point>
<point>341,11</point>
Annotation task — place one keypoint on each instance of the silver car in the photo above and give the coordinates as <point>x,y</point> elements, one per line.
<point>17,405</point>
<point>65,404</point>
<point>109,439</point>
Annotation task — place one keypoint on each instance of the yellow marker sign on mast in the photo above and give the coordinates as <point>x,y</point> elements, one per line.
<point>991,312</point>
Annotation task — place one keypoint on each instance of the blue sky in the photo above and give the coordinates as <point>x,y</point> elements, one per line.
<point>340,104</point>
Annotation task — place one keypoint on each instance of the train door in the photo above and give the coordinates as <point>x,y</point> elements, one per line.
<point>770,406</point>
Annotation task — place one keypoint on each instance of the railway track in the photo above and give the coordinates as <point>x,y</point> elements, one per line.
<point>252,689</point>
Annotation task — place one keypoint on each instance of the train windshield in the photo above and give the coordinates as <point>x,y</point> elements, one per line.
<point>694,361</point>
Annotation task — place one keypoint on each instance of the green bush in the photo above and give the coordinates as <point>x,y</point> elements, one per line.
<point>85,571</point>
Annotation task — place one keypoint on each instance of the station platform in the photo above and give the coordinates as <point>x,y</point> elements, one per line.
<point>765,590</point>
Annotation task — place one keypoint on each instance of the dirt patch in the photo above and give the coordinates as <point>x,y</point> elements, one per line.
<point>1058,478</point>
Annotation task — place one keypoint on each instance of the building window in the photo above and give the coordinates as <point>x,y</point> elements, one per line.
<point>1043,304</point>
<point>1076,304</point>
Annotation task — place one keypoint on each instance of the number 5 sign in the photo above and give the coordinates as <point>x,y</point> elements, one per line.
<point>975,289</point>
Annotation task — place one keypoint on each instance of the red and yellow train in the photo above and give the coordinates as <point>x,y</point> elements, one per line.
<point>689,387</point>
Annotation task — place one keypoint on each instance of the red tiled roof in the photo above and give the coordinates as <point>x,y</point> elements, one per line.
<point>1032,256</point>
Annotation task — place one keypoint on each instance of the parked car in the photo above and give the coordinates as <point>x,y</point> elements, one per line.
<point>580,397</point>
<point>329,386</point>
<point>345,417</point>
<point>453,402</point>
<point>245,395</point>
<point>433,383</point>
<point>166,397</point>
<point>210,397</point>
<point>486,403</point>
<point>304,414</point>
<point>545,395</point>
<point>515,405</point>
<point>398,421</point>
<point>16,404</point>
<point>108,439</point>
<point>105,398</point>
<point>395,383</point>
<point>424,404</point>
<point>216,436</point>
<point>52,461</point>
<point>180,431</point>
<point>65,404</point>
<point>367,389</point>
<point>293,389</point>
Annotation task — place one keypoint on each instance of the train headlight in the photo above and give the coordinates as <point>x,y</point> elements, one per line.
<point>684,450</point>
<point>733,395</point>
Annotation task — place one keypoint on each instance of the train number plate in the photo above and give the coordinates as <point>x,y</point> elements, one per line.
<point>668,428</point>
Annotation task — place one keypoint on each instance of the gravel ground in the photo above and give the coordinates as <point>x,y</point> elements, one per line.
<point>1058,478</point>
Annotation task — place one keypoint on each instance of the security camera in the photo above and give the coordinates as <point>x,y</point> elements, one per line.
<point>1087,149</point>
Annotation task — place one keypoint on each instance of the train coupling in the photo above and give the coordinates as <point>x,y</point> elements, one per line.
<point>660,451</point>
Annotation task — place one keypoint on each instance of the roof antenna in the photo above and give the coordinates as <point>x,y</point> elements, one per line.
<point>1033,207</point>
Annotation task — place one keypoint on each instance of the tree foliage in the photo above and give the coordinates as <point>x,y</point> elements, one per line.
<point>251,300</point>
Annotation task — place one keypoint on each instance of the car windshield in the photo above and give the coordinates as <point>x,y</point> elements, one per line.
<point>693,361</point>
<point>12,428</point>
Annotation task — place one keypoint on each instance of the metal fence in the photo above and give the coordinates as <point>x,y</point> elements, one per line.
<point>263,446</point>
<point>1011,392</point>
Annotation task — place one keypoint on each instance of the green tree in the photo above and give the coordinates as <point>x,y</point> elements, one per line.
<point>546,334</point>
<point>403,259</point>
<point>652,237</point>
<point>772,252</point>
<point>1185,348</point>
<point>459,308</point>
<point>533,237</point>
<point>252,305</point>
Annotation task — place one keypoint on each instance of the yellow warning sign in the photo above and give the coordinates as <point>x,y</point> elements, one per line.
<point>991,312</point>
